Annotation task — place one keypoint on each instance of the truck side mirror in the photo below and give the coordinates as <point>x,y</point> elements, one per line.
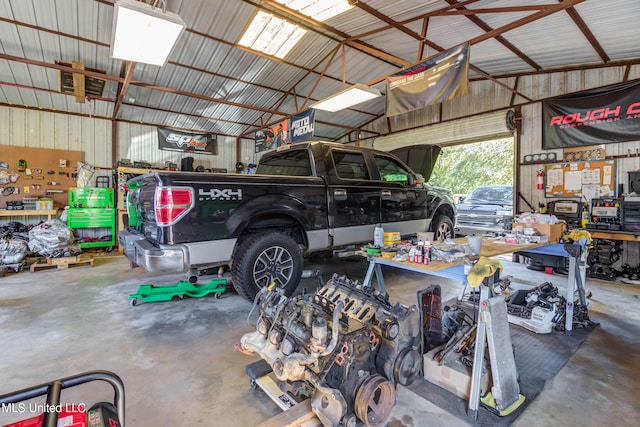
<point>416,180</point>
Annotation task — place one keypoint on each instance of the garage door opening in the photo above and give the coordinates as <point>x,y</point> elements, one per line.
<point>480,175</point>
<point>461,168</point>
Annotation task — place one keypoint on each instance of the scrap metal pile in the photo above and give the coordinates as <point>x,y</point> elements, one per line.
<point>346,347</point>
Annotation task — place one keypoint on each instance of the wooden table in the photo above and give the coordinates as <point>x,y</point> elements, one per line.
<point>42,212</point>
<point>451,270</point>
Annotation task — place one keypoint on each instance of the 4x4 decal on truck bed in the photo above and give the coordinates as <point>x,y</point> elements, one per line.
<point>219,194</point>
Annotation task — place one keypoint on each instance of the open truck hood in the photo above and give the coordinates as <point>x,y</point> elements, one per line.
<point>420,158</point>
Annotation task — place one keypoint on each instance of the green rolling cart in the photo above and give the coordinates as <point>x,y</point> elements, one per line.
<point>92,216</point>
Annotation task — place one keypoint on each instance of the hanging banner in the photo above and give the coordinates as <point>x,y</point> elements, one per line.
<point>266,139</point>
<point>598,116</point>
<point>173,140</point>
<point>438,79</point>
<point>301,126</point>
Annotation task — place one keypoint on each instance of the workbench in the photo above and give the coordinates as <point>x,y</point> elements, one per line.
<point>455,271</point>
<point>625,236</point>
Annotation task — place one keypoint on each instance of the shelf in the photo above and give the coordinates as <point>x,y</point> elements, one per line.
<point>627,236</point>
<point>137,171</point>
<point>42,212</point>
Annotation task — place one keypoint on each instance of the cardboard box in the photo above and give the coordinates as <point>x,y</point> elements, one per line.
<point>452,375</point>
<point>552,231</point>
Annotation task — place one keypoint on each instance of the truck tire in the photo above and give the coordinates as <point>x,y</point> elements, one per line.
<point>263,259</point>
<point>442,228</point>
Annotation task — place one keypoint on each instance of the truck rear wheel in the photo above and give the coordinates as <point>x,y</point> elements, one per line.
<point>263,259</point>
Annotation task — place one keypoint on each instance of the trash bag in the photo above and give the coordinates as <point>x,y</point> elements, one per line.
<point>53,239</point>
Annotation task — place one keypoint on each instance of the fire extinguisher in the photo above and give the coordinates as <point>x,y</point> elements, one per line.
<point>540,180</point>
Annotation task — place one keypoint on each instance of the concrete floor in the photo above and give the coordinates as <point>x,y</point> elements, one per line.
<point>179,366</point>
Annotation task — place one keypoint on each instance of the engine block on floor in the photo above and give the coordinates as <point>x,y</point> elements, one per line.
<point>346,346</point>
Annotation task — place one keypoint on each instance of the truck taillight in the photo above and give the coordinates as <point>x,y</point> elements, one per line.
<point>172,203</point>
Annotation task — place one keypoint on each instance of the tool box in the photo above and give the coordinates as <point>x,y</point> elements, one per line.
<point>92,216</point>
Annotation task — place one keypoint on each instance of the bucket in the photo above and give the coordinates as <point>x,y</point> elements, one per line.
<point>475,242</point>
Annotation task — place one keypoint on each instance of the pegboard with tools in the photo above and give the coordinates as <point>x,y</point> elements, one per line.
<point>29,174</point>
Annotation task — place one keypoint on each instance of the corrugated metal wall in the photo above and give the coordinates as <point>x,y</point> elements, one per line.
<point>29,128</point>
<point>140,143</point>
<point>39,129</point>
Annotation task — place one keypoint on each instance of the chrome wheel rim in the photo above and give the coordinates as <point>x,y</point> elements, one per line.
<point>273,265</point>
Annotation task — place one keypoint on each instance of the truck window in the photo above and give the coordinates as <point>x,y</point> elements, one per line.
<point>391,170</point>
<point>350,165</point>
<point>294,163</point>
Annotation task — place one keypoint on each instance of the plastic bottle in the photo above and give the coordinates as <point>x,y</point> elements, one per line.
<point>378,236</point>
<point>412,254</point>
<point>427,252</point>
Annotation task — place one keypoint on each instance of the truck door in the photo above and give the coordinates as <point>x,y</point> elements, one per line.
<point>354,201</point>
<point>404,205</point>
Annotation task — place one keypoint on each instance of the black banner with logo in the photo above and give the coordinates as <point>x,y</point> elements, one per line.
<point>301,126</point>
<point>173,140</point>
<point>597,116</point>
<point>439,78</point>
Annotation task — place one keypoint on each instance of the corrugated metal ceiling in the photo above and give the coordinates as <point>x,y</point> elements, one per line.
<point>210,84</point>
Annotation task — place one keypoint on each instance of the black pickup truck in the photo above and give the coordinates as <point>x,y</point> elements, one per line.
<point>304,198</point>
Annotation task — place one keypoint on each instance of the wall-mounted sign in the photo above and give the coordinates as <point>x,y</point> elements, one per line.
<point>301,126</point>
<point>297,128</point>
<point>598,116</point>
<point>266,139</point>
<point>173,140</point>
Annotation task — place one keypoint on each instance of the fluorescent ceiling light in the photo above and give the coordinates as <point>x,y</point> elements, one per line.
<point>320,10</point>
<point>271,35</point>
<point>142,33</point>
<point>346,98</point>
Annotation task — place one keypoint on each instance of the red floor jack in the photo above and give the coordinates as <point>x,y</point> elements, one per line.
<point>56,414</point>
